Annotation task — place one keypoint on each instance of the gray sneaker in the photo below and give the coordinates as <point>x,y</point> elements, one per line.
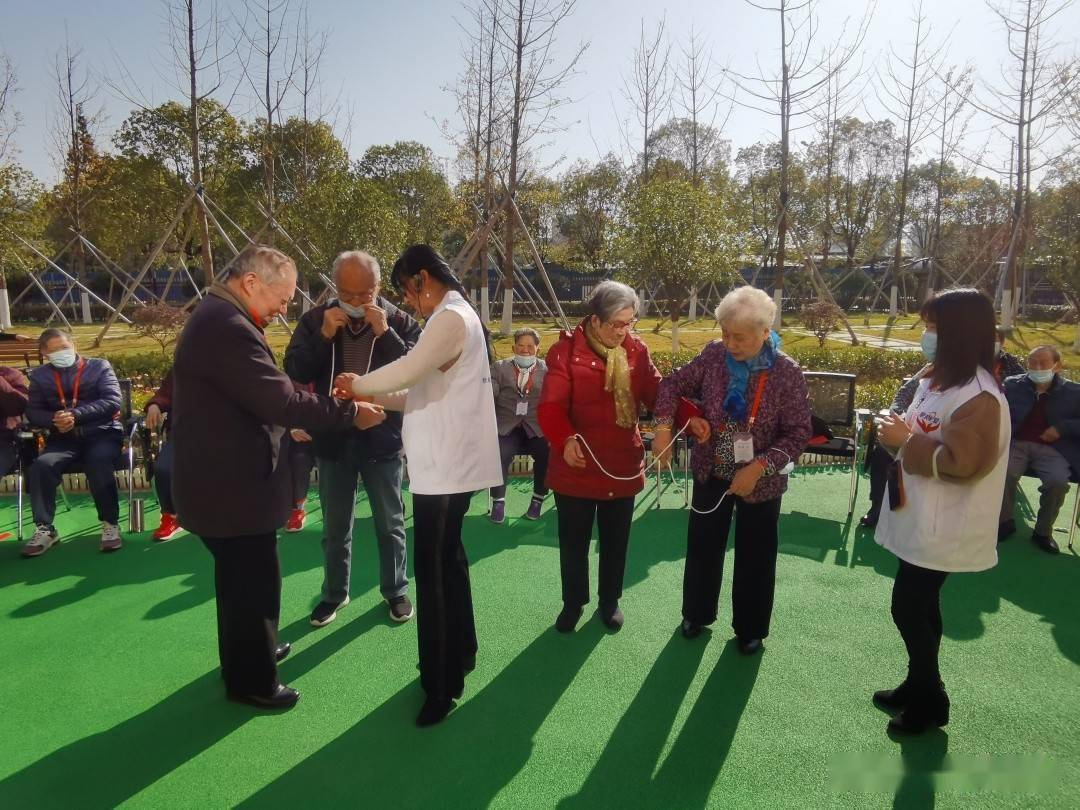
<point>45,537</point>
<point>110,537</point>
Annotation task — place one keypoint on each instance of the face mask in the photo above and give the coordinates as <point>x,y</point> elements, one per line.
<point>524,360</point>
<point>353,312</point>
<point>1041,377</point>
<point>64,358</point>
<point>929,345</point>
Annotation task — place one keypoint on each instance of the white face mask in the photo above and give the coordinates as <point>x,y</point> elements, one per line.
<point>1041,376</point>
<point>62,358</point>
<point>524,361</point>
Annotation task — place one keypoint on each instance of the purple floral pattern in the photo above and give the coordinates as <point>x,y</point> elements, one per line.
<point>782,427</point>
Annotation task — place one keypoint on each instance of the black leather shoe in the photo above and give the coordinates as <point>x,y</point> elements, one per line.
<point>869,520</point>
<point>1047,544</point>
<point>568,618</point>
<point>281,652</point>
<point>283,697</point>
<point>749,646</point>
<point>924,710</point>
<point>1006,530</point>
<point>893,700</point>
<point>612,617</point>
<point>689,629</point>
<point>434,711</point>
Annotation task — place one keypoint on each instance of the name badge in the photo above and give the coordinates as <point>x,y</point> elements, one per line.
<point>743,444</point>
<point>522,408</point>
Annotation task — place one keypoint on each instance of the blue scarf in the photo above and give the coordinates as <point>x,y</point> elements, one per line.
<point>739,371</point>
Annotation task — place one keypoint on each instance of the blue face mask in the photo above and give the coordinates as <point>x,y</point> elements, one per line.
<point>524,360</point>
<point>353,312</point>
<point>1041,376</point>
<point>929,345</point>
<point>64,358</point>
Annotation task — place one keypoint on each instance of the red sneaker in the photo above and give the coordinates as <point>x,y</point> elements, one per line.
<point>169,528</point>
<point>296,520</point>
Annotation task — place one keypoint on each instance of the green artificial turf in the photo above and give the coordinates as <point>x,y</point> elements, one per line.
<point>112,695</point>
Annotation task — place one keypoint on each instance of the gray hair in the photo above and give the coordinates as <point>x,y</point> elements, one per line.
<point>269,264</point>
<point>1055,355</point>
<point>610,297</point>
<point>51,334</point>
<point>361,256</point>
<point>527,332</point>
<point>747,305</point>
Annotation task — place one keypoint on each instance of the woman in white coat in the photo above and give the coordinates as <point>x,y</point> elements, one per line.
<point>452,447</point>
<point>951,448</point>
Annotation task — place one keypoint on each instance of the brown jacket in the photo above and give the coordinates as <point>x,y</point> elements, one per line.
<point>965,453</point>
<point>231,404</point>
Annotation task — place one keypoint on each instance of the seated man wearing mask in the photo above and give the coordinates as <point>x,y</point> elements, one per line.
<point>516,382</point>
<point>1045,412</point>
<point>78,400</point>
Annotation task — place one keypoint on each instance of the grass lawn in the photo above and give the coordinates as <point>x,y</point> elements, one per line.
<point>115,698</point>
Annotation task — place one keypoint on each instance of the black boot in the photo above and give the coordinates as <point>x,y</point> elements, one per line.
<point>567,620</point>
<point>433,711</point>
<point>894,700</point>
<point>929,710</point>
<point>612,616</point>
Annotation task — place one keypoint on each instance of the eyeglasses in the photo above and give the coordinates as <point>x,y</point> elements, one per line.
<point>630,324</point>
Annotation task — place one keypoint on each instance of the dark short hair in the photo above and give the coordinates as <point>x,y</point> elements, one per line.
<point>50,334</point>
<point>965,324</point>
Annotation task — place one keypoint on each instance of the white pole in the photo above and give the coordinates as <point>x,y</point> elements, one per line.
<point>778,299</point>
<point>893,294</point>
<point>85,297</point>
<point>5,309</point>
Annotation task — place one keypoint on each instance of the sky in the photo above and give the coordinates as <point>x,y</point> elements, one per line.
<point>390,63</point>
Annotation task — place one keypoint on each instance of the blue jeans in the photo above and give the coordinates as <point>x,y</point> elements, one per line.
<point>98,456</point>
<point>337,491</point>
<point>163,479</point>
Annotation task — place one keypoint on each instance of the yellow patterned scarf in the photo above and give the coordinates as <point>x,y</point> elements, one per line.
<point>616,377</point>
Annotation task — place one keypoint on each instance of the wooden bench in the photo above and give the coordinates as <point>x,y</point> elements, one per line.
<point>18,351</point>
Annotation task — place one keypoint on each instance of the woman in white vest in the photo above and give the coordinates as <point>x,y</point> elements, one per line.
<point>452,447</point>
<point>951,448</point>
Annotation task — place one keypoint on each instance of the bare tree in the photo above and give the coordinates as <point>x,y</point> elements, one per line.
<point>648,89</point>
<point>698,93</point>
<point>906,93</point>
<point>270,67</point>
<point>9,116</point>
<point>793,89</point>
<point>1033,89</point>
<point>310,49</point>
<point>526,36</point>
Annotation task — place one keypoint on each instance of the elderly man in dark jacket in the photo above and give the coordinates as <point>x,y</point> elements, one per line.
<point>356,332</point>
<point>1045,412</point>
<point>231,480</point>
<point>77,399</point>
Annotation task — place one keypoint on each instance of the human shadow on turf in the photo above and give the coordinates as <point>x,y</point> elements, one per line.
<point>922,756</point>
<point>108,768</point>
<point>463,762</point>
<point>623,775</point>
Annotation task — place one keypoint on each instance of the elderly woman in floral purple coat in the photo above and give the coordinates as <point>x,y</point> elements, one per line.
<point>755,421</point>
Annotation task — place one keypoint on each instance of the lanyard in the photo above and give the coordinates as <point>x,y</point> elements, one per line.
<point>524,392</point>
<point>74,390</point>
<point>757,398</point>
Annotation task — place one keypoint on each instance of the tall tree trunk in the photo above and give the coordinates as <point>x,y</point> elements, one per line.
<point>196,156</point>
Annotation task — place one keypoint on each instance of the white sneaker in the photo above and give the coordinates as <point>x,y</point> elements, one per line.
<point>44,538</point>
<point>110,537</point>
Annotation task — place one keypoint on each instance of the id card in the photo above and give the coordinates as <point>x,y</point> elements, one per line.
<point>522,408</point>
<point>743,444</point>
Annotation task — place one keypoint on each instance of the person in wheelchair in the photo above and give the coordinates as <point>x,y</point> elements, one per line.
<point>77,400</point>
<point>1045,412</point>
<point>157,410</point>
<point>13,396</point>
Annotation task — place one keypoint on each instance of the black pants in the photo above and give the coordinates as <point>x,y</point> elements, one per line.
<point>247,581</point>
<point>445,630</point>
<point>518,443</point>
<point>916,610</point>
<point>613,520</point>
<point>878,460</point>
<point>301,461</point>
<point>98,453</point>
<point>756,545</point>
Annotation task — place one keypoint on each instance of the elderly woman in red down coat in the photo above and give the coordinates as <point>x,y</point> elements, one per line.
<point>598,377</point>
